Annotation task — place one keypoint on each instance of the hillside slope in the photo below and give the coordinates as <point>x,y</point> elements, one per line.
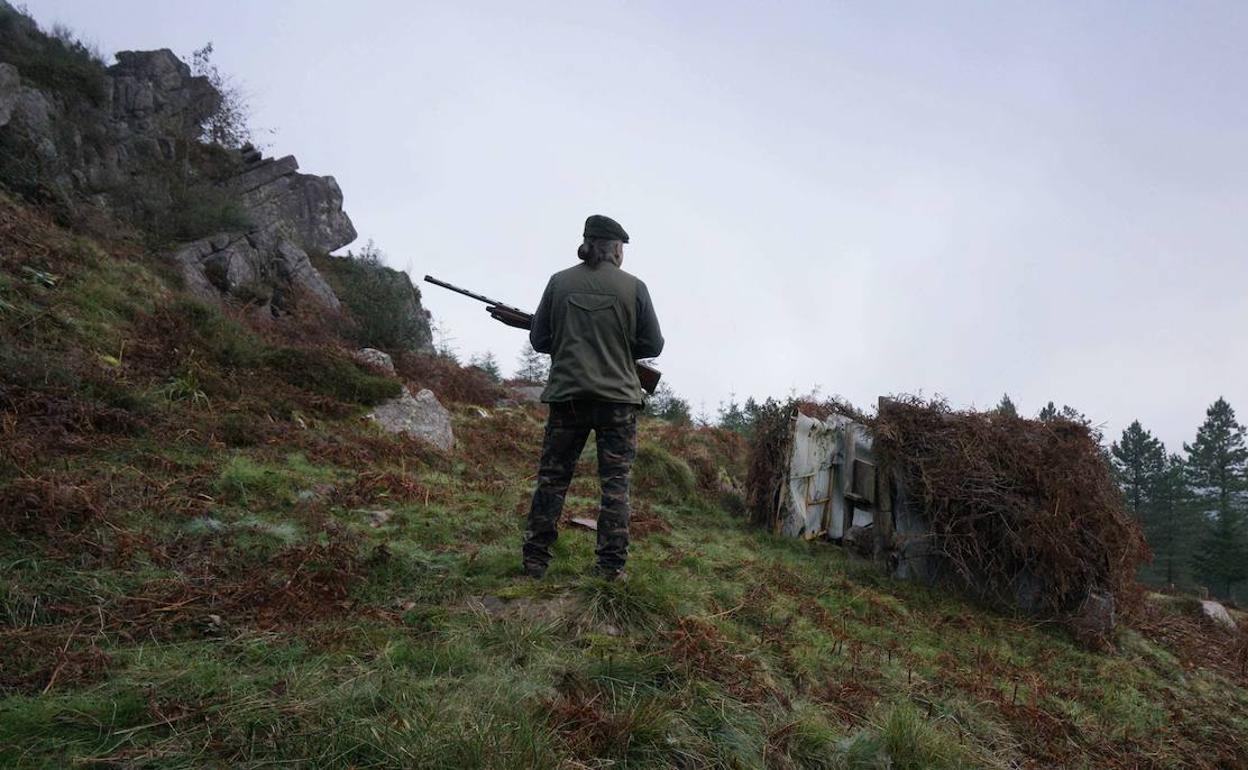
<point>209,560</point>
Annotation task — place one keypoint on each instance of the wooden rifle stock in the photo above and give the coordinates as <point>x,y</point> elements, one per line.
<point>519,319</point>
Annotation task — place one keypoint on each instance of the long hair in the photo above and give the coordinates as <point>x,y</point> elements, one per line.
<point>595,251</point>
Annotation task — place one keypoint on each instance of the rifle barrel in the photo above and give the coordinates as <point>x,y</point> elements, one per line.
<point>465,292</point>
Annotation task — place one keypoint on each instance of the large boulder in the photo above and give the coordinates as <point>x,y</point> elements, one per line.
<point>261,266</point>
<point>420,416</point>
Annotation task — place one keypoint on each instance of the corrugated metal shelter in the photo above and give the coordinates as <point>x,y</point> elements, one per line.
<point>832,489</point>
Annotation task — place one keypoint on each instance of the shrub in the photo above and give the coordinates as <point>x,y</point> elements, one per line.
<point>449,380</point>
<point>662,476</point>
<point>57,63</point>
<point>199,209</point>
<point>228,125</point>
<point>330,373</point>
<point>203,326</point>
<point>666,405</point>
<point>383,302</point>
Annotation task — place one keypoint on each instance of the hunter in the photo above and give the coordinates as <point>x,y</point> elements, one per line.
<point>595,321</point>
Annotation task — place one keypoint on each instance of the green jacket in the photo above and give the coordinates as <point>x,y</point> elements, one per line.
<point>595,322</point>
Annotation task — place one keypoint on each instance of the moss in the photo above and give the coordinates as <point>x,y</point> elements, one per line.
<point>248,482</point>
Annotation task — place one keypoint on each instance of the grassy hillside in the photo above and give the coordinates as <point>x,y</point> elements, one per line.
<point>208,560</point>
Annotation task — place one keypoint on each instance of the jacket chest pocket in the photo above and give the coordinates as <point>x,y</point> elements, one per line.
<point>593,313</point>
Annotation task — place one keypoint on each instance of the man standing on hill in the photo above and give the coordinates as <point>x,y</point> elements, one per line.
<point>595,321</point>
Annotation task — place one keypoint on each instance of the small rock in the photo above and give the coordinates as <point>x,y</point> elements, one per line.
<point>378,518</point>
<point>375,358</point>
<point>1218,614</point>
<point>420,416</point>
<point>314,494</point>
<point>526,394</point>
<point>1094,622</point>
<point>860,540</point>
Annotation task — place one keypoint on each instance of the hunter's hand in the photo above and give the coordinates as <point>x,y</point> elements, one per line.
<point>509,318</point>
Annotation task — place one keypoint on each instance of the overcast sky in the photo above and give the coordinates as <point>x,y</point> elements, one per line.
<point>965,199</point>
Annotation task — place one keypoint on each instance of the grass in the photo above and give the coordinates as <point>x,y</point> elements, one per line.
<point>726,648</point>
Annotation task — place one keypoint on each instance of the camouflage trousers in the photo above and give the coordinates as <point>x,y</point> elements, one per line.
<point>567,429</point>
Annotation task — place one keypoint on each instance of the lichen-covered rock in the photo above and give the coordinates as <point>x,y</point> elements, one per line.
<point>420,416</point>
<point>261,266</point>
<point>307,209</point>
<point>375,358</point>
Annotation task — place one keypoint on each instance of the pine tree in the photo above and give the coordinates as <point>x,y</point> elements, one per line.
<point>732,417</point>
<point>487,363</point>
<point>1217,470</point>
<point>1170,522</point>
<point>666,405</point>
<point>1006,407</point>
<point>1049,412</point>
<point>534,366</point>
<point>1138,459</point>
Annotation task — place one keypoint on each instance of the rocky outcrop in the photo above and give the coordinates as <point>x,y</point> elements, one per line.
<point>307,209</point>
<point>134,147</point>
<point>152,109</point>
<point>129,138</point>
<point>291,214</point>
<point>420,416</point>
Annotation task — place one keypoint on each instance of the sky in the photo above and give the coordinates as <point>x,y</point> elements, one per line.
<point>956,199</point>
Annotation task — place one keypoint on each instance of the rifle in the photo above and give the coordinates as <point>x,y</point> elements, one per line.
<point>514,316</point>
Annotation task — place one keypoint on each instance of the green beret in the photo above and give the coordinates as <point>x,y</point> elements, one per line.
<point>606,228</point>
